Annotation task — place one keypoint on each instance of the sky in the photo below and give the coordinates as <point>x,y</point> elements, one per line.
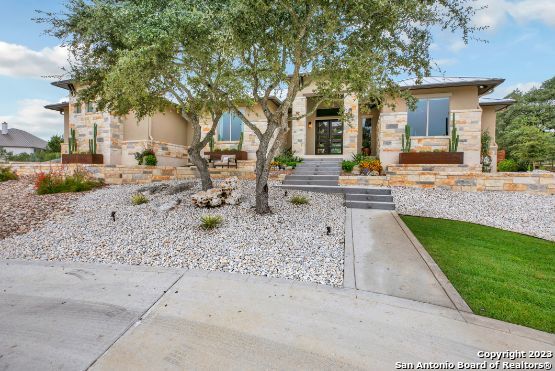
<point>519,47</point>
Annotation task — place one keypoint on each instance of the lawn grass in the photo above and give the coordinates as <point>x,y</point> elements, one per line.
<point>500,274</point>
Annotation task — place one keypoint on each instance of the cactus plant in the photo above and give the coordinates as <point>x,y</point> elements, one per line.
<point>240,145</point>
<point>92,142</point>
<point>454,140</point>
<point>211,143</point>
<point>72,143</point>
<point>406,140</point>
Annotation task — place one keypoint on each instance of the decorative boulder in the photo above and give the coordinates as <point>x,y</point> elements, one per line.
<point>227,193</point>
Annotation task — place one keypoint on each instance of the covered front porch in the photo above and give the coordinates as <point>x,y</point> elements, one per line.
<point>318,132</point>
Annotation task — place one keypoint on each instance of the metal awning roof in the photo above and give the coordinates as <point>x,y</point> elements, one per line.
<point>500,103</point>
<point>484,84</point>
<point>57,106</point>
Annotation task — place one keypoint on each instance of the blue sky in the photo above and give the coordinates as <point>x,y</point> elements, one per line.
<point>520,48</point>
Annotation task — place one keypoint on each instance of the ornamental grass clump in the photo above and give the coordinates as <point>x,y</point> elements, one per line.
<point>139,199</point>
<point>57,182</point>
<point>209,222</point>
<point>299,200</point>
<point>6,173</point>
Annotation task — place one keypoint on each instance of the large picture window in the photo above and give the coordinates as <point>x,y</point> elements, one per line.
<point>430,118</point>
<point>230,128</point>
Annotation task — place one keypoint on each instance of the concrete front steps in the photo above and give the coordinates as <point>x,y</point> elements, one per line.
<point>315,172</point>
<point>355,198</point>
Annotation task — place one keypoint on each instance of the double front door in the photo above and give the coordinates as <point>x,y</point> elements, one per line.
<point>329,137</point>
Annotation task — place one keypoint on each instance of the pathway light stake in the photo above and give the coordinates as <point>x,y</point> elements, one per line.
<point>114,216</point>
<point>328,230</point>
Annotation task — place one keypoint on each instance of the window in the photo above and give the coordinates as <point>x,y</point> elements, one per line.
<point>322,112</point>
<point>77,108</point>
<point>90,107</point>
<point>230,127</point>
<point>431,117</point>
<point>366,132</point>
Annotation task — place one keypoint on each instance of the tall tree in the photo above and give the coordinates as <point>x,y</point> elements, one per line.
<point>349,47</point>
<point>526,130</point>
<point>55,144</point>
<point>145,56</point>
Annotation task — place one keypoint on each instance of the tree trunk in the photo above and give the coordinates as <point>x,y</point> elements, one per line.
<point>262,193</point>
<point>202,166</point>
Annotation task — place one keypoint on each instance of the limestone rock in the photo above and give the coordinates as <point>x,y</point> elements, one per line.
<point>227,193</point>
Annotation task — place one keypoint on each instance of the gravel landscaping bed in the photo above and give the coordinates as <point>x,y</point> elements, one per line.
<point>21,210</point>
<point>529,214</point>
<point>291,242</point>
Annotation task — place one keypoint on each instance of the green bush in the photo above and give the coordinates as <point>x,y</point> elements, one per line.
<point>6,173</point>
<point>507,165</point>
<point>287,157</point>
<point>299,200</point>
<point>150,160</point>
<point>48,183</point>
<point>139,199</point>
<point>210,221</point>
<point>140,156</point>
<point>348,166</point>
<point>41,156</point>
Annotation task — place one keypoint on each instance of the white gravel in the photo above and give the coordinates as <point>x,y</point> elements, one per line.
<point>290,243</point>
<point>518,212</point>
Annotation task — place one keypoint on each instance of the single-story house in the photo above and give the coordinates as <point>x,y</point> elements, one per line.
<point>440,100</point>
<point>19,141</point>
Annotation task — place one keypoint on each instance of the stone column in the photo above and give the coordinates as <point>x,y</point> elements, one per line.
<point>350,126</point>
<point>298,127</point>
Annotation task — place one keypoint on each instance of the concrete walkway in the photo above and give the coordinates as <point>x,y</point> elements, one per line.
<point>68,316</point>
<point>382,256</point>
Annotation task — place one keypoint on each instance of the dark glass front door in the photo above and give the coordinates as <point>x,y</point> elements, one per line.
<point>329,137</point>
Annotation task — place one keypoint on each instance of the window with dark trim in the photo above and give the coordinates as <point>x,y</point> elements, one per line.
<point>430,117</point>
<point>90,107</point>
<point>230,127</point>
<point>322,112</point>
<point>77,108</point>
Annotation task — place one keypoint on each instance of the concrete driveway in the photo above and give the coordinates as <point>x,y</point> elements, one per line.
<point>72,316</point>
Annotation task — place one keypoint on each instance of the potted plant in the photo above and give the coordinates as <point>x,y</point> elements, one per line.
<point>82,158</point>
<point>438,157</point>
<point>366,147</point>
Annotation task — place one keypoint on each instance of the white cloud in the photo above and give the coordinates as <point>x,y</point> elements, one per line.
<point>31,116</point>
<point>522,11</point>
<point>524,87</point>
<point>20,61</point>
<point>445,61</point>
<point>457,46</point>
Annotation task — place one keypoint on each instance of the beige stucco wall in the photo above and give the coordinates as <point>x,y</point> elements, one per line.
<point>460,98</point>
<point>170,127</point>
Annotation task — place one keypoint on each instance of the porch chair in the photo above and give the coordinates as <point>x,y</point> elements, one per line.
<point>226,160</point>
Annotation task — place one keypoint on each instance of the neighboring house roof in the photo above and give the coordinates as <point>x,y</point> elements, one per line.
<point>57,106</point>
<point>21,138</point>
<point>485,84</point>
<point>500,103</point>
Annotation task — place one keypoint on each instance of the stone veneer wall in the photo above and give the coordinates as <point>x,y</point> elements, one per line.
<point>298,127</point>
<point>457,178</point>
<point>351,127</point>
<point>391,126</point>
<point>119,174</point>
<point>168,154</point>
<point>109,132</point>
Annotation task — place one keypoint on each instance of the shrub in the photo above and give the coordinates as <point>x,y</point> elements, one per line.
<point>140,156</point>
<point>359,157</point>
<point>348,165</point>
<point>6,173</point>
<point>299,200</point>
<point>210,221</point>
<point>150,160</point>
<point>287,156</point>
<point>507,165</point>
<point>47,183</point>
<point>371,166</point>
<point>139,199</point>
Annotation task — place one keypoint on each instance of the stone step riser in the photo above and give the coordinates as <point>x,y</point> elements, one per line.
<point>358,197</point>
<point>321,189</point>
<point>369,205</point>
<point>311,182</point>
<point>311,177</point>
<point>367,191</point>
<point>318,167</point>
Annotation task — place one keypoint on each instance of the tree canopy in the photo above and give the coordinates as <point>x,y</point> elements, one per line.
<point>526,130</point>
